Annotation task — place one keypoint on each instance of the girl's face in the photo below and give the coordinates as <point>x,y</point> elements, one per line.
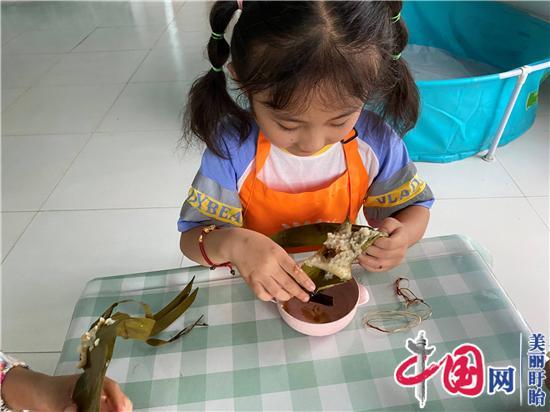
<point>307,132</point>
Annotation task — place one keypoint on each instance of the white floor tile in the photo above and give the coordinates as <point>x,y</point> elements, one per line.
<point>194,16</point>
<point>171,64</point>
<point>147,106</point>
<point>49,15</point>
<point>13,225</point>
<point>468,178</point>
<point>8,34</point>
<point>121,38</point>
<point>46,41</point>
<point>126,170</point>
<point>33,165</point>
<point>540,204</point>
<point>74,109</point>
<point>94,68</point>
<point>179,38</point>
<point>526,159</point>
<point>22,70</point>
<point>9,96</point>
<point>44,362</point>
<point>516,238</point>
<point>60,251</point>
<point>135,13</point>
<point>45,15</point>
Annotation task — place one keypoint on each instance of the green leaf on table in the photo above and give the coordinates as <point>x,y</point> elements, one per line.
<point>102,335</point>
<point>167,315</point>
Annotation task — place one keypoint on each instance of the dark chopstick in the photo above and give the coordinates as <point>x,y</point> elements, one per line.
<point>321,298</point>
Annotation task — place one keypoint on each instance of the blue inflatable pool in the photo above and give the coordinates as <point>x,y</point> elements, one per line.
<point>463,116</point>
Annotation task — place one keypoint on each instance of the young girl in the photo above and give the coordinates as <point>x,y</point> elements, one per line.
<point>306,150</point>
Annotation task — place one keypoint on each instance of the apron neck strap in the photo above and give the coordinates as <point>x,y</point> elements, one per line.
<point>262,151</point>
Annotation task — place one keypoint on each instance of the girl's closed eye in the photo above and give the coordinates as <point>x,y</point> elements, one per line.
<point>339,124</point>
<point>287,129</point>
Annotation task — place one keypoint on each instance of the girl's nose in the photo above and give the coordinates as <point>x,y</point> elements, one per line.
<point>311,143</point>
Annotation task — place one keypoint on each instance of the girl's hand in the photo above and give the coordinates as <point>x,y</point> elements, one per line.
<point>268,269</point>
<point>387,252</point>
<point>58,390</point>
<point>26,389</point>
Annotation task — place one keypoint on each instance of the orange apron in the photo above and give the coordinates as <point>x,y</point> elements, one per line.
<point>269,211</point>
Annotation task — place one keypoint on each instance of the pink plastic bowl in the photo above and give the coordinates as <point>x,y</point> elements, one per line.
<point>318,320</point>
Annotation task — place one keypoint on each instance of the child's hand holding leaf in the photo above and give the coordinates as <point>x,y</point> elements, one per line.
<point>268,269</point>
<point>386,252</point>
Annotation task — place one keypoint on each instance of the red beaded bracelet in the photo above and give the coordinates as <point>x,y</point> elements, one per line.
<point>206,230</point>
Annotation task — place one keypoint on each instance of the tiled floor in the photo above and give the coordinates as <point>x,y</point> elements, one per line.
<point>92,180</point>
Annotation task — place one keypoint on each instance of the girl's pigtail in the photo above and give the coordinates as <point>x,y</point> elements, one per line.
<point>210,107</point>
<point>402,102</point>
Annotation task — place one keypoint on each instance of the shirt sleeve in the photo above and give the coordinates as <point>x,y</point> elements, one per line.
<point>213,197</point>
<point>397,184</point>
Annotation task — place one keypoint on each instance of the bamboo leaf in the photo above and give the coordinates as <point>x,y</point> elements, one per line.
<point>169,317</point>
<point>184,331</point>
<point>176,301</point>
<point>88,387</point>
<point>308,235</point>
<point>107,314</point>
<point>87,392</point>
<point>135,328</point>
<point>315,235</point>
<point>318,276</point>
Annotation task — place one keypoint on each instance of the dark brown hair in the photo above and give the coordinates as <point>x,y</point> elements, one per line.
<point>290,49</point>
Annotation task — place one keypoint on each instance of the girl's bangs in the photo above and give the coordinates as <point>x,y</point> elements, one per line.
<point>337,79</point>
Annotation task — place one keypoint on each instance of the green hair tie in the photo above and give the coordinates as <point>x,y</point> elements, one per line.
<point>396,18</point>
<point>396,56</point>
<point>217,36</point>
<point>217,69</point>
